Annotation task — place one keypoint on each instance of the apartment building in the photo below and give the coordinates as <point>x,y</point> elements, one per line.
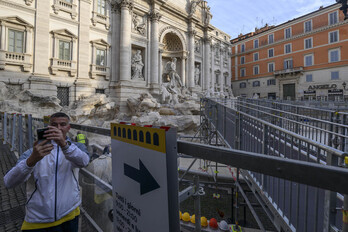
<point>304,58</point>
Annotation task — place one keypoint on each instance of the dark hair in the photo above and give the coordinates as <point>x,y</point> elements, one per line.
<point>60,115</point>
<point>106,149</point>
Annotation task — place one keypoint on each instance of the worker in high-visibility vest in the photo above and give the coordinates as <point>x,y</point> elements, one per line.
<point>81,138</point>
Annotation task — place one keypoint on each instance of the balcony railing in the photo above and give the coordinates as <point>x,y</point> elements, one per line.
<point>100,18</point>
<point>63,65</point>
<point>288,71</point>
<point>98,70</point>
<point>13,58</point>
<point>62,5</point>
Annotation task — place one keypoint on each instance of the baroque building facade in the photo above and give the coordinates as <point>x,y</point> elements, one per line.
<point>304,58</point>
<point>75,48</point>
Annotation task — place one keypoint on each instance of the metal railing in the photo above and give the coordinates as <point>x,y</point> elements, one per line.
<point>324,126</point>
<point>290,175</point>
<point>299,206</point>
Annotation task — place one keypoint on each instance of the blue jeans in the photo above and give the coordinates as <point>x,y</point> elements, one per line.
<point>69,226</point>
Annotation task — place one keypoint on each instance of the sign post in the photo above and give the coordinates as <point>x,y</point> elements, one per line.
<point>144,179</point>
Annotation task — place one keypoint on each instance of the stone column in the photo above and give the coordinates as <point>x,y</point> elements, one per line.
<point>40,80</point>
<point>83,42</point>
<point>42,40</point>
<point>155,17</point>
<point>221,81</point>
<point>2,45</point>
<point>115,43</point>
<point>125,40</point>
<point>191,59</point>
<point>183,69</point>
<point>206,77</point>
<point>160,66</point>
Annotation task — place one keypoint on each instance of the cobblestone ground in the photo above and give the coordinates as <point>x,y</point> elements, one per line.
<point>12,201</point>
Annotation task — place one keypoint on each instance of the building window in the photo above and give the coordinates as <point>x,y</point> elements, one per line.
<point>256,70</point>
<point>256,56</point>
<point>63,95</point>
<point>256,43</point>
<point>288,64</point>
<point>270,38</point>
<point>334,55</point>
<point>101,91</point>
<point>101,54</point>
<point>270,67</point>
<point>308,60</point>
<point>242,85</point>
<point>242,49</point>
<point>287,33</point>
<point>256,83</point>
<point>333,18</point>
<point>271,82</point>
<point>217,33</point>
<point>270,52</point>
<point>308,26</point>
<point>242,72</point>
<point>335,75</point>
<point>101,7</point>
<point>64,50</point>
<point>99,65</point>
<point>333,36</point>
<point>242,60</point>
<point>308,43</point>
<point>15,41</point>
<point>287,48</point>
<point>309,78</point>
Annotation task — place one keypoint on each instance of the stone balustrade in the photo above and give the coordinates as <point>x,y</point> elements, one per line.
<point>63,65</point>
<point>98,70</point>
<point>18,59</point>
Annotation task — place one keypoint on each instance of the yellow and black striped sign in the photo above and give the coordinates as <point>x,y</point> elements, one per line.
<point>147,137</point>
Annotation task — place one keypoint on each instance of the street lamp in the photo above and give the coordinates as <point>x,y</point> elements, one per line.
<point>344,84</point>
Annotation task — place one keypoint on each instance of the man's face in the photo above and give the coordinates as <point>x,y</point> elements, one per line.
<point>61,123</point>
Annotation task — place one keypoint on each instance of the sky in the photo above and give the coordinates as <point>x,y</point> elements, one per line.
<point>242,16</point>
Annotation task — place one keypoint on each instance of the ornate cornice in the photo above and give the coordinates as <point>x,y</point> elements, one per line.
<point>17,6</point>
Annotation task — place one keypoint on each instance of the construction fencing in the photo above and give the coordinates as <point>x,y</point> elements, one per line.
<point>299,182</point>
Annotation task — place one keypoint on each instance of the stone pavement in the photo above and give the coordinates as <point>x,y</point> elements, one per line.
<point>12,201</point>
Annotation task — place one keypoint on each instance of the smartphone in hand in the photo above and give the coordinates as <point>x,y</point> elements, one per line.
<point>40,133</point>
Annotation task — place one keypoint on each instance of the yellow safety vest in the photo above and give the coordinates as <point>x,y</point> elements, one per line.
<point>81,138</point>
<point>236,228</point>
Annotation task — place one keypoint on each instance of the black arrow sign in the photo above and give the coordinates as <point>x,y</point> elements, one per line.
<point>142,176</point>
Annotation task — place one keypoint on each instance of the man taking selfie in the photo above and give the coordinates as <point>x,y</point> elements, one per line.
<point>50,170</point>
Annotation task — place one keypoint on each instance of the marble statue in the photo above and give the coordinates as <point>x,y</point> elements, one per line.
<point>137,66</point>
<point>197,75</point>
<point>174,78</point>
<point>208,16</point>
<point>194,5</point>
<point>138,26</point>
<point>172,88</point>
<point>197,46</point>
